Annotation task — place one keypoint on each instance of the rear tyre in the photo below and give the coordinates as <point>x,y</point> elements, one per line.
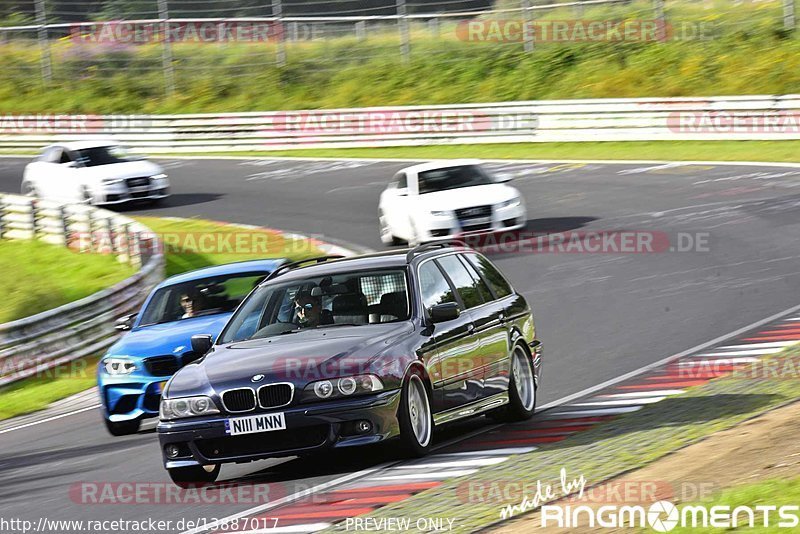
<point>122,428</point>
<point>196,474</point>
<point>521,389</point>
<point>387,238</point>
<point>415,417</point>
<point>87,197</point>
<point>29,190</point>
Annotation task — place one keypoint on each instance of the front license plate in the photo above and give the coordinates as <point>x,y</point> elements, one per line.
<point>255,423</point>
<point>476,220</point>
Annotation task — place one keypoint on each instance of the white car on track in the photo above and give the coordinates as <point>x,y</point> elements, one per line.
<point>93,172</point>
<point>446,199</point>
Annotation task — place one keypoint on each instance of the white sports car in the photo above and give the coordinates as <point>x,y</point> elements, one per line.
<point>94,172</point>
<point>440,199</point>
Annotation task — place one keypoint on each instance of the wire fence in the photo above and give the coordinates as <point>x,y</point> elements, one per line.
<point>59,40</point>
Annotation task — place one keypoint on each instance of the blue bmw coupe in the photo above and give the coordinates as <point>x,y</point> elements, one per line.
<point>132,374</point>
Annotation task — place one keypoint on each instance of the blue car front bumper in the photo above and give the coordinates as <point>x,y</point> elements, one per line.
<point>130,397</point>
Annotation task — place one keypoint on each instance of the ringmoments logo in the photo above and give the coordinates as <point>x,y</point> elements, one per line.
<point>664,516</point>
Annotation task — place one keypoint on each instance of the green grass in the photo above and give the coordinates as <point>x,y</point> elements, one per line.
<point>185,251</point>
<point>40,276</point>
<point>768,492</point>
<point>43,272</point>
<point>780,151</point>
<point>747,52</point>
<point>36,393</point>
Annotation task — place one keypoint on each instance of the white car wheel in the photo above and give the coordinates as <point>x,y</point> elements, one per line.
<point>86,195</point>
<point>29,190</point>
<point>387,238</point>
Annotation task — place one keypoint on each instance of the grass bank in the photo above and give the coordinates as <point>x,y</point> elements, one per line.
<point>779,151</point>
<point>41,276</point>
<point>742,49</point>
<point>67,274</point>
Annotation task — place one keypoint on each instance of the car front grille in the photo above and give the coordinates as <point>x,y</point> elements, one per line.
<point>139,181</point>
<point>476,212</point>
<point>252,444</point>
<point>275,395</point>
<point>162,365</point>
<point>239,400</point>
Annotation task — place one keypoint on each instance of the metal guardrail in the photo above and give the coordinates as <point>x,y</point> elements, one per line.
<point>638,119</point>
<point>49,340</point>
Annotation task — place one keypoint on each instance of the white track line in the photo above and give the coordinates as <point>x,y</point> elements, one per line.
<point>426,476</point>
<point>664,361</point>
<point>475,462</point>
<point>771,344</point>
<point>728,354</point>
<point>633,394</point>
<point>47,420</point>
<point>717,362</point>
<point>590,413</point>
<point>509,451</point>
<point>621,402</point>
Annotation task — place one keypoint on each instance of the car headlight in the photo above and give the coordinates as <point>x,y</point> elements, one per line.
<point>186,407</point>
<point>158,177</point>
<point>118,366</point>
<point>516,201</point>
<point>440,213</point>
<point>112,181</point>
<point>341,387</point>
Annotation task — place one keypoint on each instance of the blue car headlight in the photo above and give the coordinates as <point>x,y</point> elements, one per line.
<point>118,366</point>
<point>186,407</point>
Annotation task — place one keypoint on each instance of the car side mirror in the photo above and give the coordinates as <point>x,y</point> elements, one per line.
<point>402,192</point>
<point>71,164</point>
<point>444,312</point>
<point>125,322</point>
<point>201,343</point>
<point>503,178</point>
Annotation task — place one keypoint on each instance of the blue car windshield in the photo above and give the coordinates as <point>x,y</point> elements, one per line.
<point>195,298</point>
<point>355,298</point>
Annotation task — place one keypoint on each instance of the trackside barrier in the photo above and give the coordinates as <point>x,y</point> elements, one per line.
<point>38,344</point>
<point>759,117</point>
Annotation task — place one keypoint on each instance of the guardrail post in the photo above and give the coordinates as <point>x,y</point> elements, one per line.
<point>527,31</point>
<point>789,18</point>
<point>433,26</point>
<point>136,257</point>
<point>33,218</point>
<point>280,52</point>
<point>44,42</point>
<point>361,30</point>
<point>2,216</point>
<point>166,49</point>
<point>62,214</point>
<point>90,224</point>
<point>660,19</point>
<point>402,22</point>
<point>578,9</point>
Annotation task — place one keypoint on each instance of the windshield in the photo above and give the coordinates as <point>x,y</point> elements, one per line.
<point>207,296</point>
<point>453,178</point>
<point>103,155</point>
<point>356,298</point>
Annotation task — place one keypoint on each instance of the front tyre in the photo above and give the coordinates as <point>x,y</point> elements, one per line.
<point>415,417</point>
<point>193,475</point>
<point>29,190</point>
<point>122,428</point>
<point>387,238</point>
<point>521,390</point>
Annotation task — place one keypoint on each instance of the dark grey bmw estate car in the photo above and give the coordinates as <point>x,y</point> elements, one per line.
<point>341,352</point>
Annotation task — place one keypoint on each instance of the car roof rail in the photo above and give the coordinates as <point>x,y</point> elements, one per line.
<point>295,264</point>
<point>444,243</point>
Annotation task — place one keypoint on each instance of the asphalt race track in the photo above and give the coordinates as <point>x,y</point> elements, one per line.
<point>599,315</point>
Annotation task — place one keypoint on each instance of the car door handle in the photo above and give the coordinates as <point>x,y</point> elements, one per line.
<point>502,317</point>
<point>471,329</point>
